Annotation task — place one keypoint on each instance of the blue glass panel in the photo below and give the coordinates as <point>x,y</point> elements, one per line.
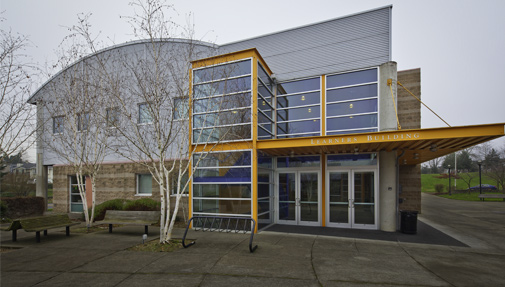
<point>264,205</point>
<point>298,113</point>
<point>298,136</point>
<point>264,160</point>
<point>352,132</point>
<point>222,103</point>
<point>299,127</point>
<point>298,161</point>
<point>222,71</point>
<point>299,86</point>
<point>352,78</point>
<point>222,190</point>
<point>262,119</point>
<point>222,87</point>
<point>262,74</point>
<point>352,93</point>
<point>350,159</point>
<point>222,118</point>
<point>352,122</point>
<point>299,100</point>
<point>242,174</point>
<point>240,207</point>
<point>355,107</point>
<point>228,133</point>
<point>264,91</point>
<point>218,159</point>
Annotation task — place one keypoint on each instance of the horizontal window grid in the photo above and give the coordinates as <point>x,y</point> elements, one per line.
<point>221,79</point>
<point>351,115</point>
<point>300,120</point>
<point>213,167</point>
<point>350,86</point>
<point>225,94</point>
<point>221,111</point>
<point>367,129</point>
<point>222,198</point>
<point>221,214</point>
<point>303,106</point>
<point>297,135</point>
<point>223,126</point>
<point>350,101</point>
<point>298,93</point>
<point>199,92</point>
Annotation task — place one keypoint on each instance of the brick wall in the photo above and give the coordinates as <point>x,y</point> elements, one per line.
<point>409,115</point>
<point>114,181</point>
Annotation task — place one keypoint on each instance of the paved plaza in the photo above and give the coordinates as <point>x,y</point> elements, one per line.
<point>476,258</point>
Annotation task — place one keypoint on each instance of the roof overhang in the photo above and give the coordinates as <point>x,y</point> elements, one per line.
<point>415,146</point>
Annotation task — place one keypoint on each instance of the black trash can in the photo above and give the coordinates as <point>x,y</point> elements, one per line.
<point>408,221</point>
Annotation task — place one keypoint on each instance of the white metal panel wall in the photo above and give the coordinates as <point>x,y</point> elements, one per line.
<point>348,43</point>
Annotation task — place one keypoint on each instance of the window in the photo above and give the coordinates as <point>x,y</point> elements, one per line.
<point>184,180</point>
<point>352,102</point>
<point>112,117</point>
<point>58,124</point>
<point>75,196</point>
<point>181,107</point>
<point>144,184</point>
<point>222,102</point>
<point>299,108</point>
<point>145,116</point>
<point>83,122</point>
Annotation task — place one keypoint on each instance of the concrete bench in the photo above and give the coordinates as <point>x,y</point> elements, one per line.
<point>40,223</point>
<point>145,218</point>
<point>483,196</point>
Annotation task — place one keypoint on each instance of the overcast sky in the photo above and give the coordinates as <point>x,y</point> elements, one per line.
<point>459,45</point>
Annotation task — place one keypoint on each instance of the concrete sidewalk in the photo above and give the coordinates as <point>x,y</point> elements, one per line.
<point>221,259</point>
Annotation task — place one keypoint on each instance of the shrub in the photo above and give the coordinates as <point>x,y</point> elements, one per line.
<point>3,209</point>
<point>17,207</point>
<point>144,204</point>
<point>439,188</point>
<point>114,204</point>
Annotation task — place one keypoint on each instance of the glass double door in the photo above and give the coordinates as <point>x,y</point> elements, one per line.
<point>350,199</point>
<point>298,197</point>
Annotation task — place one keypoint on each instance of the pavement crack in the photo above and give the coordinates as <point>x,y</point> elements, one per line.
<point>312,260</point>
<point>423,266</point>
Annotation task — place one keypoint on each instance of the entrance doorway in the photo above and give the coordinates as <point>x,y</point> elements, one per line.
<point>351,198</point>
<point>298,197</point>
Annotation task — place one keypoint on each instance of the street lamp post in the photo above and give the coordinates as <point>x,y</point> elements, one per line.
<point>480,176</point>
<point>449,179</point>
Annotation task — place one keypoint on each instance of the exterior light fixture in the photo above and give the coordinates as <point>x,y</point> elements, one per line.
<point>449,166</point>
<point>310,110</point>
<point>303,98</point>
<point>356,149</point>
<point>264,104</point>
<point>433,148</point>
<point>404,161</point>
<point>416,156</point>
<point>351,106</point>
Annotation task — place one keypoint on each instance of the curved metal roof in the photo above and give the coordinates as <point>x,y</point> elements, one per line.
<point>32,99</point>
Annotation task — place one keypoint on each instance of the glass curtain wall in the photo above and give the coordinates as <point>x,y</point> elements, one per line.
<point>222,183</point>
<point>265,190</point>
<point>265,105</point>
<point>351,102</point>
<point>299,108</point>
<point>222,102</point>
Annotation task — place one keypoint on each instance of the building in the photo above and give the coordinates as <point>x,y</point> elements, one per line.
<point>305,126</point>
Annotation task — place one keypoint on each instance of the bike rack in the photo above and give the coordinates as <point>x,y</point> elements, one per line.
<point>215,223</point>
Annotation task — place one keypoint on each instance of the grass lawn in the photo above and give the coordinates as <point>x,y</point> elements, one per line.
<point>474,196</point>
<point>428,182</point>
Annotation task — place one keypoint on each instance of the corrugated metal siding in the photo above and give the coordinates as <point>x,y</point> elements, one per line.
<point>342,44</point>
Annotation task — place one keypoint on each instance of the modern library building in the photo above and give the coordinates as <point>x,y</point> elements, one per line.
<point>308,126</point>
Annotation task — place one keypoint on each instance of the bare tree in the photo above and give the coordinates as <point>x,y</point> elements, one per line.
<point>75,130</point>
<point>16,79</point>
